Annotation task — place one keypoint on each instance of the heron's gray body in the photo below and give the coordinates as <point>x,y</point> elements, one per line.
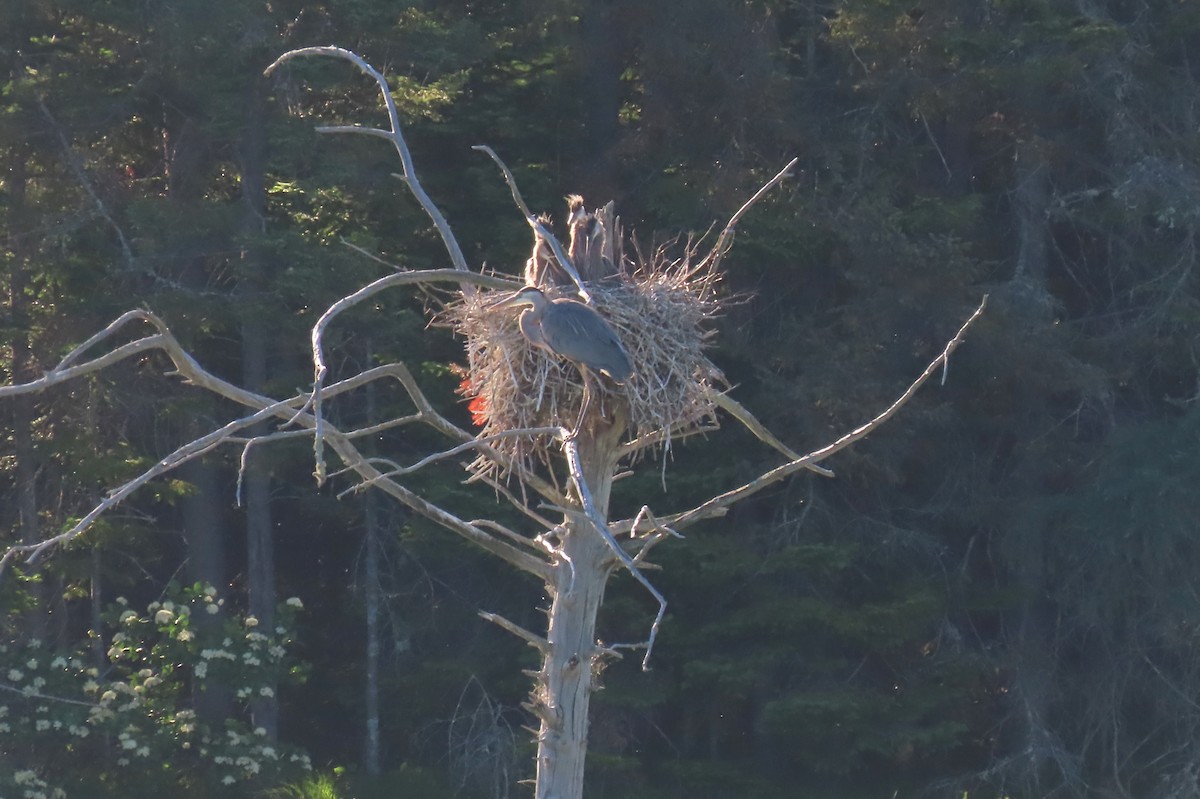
<point>572,330</point>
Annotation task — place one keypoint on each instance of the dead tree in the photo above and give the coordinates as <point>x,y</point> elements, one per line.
<point>560,483</point>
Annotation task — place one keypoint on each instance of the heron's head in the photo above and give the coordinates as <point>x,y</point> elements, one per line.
<point>527,297</point>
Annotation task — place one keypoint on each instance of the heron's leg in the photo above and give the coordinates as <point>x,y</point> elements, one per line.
<point>583,406</point>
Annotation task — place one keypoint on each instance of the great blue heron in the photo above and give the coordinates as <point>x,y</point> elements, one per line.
<point>570,329</point>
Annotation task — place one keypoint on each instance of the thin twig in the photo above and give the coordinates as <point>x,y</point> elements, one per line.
<point>933,141</point>
<point>244,460</point>
<point>363,251</point>
<point>31,694</point>
<point>523,507</point>
<point>661,436</point>
<point>76,164</point>
<point>475,443</point>
<point>724,241</point>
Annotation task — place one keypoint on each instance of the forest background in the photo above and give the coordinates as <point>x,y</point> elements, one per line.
<point>999,594</point>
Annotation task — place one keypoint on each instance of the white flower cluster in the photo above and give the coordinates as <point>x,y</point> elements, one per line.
<point>34,787</point>
<point>133,709</point>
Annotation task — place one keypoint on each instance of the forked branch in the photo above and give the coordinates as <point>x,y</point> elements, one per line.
<point>264,407</point>
<point>394,135</point>
<point>321,369</point>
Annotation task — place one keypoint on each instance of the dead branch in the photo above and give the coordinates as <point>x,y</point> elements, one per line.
<point>654,438</point>
<point>521,505</point>
<point>658,532</point>
<point>725,240</point>
<point>511,535</point>
<point>739,412</point>
<point>321,370</point>
<point>473,444</point>
<point>716,506</point>
<point>188,369</point>
<point>536,641</point>
<point>394,135</point>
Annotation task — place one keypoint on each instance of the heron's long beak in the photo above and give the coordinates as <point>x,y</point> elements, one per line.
<point>508,302</point>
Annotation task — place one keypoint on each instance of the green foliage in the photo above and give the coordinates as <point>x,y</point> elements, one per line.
<point>126,724</point>
<point>406,782</point>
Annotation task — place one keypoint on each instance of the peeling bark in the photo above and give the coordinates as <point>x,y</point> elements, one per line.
<point>573,660</point>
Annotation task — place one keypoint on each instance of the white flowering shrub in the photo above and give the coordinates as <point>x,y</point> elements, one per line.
<point>70,726</point>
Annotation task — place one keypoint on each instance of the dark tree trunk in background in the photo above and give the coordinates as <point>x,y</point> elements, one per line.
<point>205,535</point>
<point>372,597</point>
<point>23,408</point>
<point>1031,197</point>
<point>600,42</point>
<point>256,349</point>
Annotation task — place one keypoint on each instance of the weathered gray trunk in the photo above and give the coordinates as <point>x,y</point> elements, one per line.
<point>563,693</point>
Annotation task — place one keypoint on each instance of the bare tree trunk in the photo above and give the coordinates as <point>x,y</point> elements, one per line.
<point>564,687</point>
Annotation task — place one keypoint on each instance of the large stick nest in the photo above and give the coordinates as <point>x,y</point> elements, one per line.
<point>662,311</point>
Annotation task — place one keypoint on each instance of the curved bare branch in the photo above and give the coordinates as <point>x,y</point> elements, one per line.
<point>395,135</point>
